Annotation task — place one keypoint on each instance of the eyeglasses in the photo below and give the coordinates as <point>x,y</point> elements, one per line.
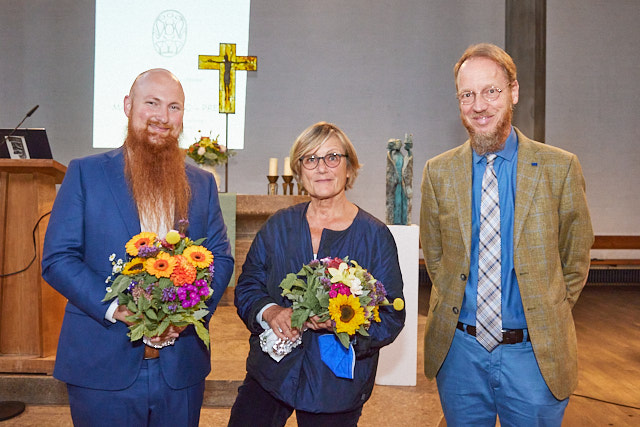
<point>331,160</point>
<point>489,94</point>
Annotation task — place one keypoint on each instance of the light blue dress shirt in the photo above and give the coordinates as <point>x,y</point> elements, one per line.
<point>505,165</point>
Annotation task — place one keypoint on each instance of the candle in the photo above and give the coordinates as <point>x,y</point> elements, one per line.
<point>287,167</point>
<point>273,166</point>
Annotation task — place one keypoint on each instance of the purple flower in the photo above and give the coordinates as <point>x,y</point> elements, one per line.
<point>381,292</point>
<point>168,294</point>
<point>148,251</point>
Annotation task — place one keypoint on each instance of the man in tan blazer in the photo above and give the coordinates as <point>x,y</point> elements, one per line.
<point>544,240</point>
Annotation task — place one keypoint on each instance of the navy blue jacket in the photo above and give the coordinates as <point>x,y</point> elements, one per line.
<point>93,216</point>
<point>282,246</point>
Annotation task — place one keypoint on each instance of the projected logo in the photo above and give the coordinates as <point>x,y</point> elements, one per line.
<point>169,33</point>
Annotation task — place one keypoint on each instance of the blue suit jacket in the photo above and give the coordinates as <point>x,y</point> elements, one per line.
<point>94,215</point>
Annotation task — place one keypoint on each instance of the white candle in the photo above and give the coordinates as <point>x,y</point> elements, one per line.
<point>273,166</point>
<point>287,167</point>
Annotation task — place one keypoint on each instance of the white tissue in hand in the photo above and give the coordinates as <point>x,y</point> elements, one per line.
<point>276,347</point>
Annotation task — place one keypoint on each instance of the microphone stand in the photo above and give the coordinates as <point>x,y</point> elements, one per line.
<point>13,408</point>
<point>10,409</point>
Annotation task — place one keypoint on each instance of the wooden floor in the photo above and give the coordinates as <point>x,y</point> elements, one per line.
<point>608,394</point>
<point>608,328</point>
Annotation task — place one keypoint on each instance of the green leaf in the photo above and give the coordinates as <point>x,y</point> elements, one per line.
<point>203,333</point>
<point>163,326</point>
<point>143,304</point>
<point>136,331</point>
<point>199,314</point>
<point>363,331</point>
<point>288,282</point>
<point>323,316</point>
<point>151,314</point>
<point>132,306</point>
<point>133,318</point>
<point>344,339</point>
<point>120,283</point>
<point>298,317</point>
<point>323,299</point>
<point>199,241</point>
<point>180,247</point>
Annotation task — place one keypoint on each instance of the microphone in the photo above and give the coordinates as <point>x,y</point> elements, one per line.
<point>33,110</point>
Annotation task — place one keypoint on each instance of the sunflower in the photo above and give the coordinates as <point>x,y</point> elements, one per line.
<point>161,266</point>
<point>134,266</point>
<point>199,256</point>
<point>347,313</point>
<point>138,241</point>
<point>184,272</point>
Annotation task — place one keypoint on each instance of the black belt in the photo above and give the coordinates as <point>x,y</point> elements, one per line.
<point>512,336</point>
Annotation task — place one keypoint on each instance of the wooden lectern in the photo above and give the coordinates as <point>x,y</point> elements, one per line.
<point>30,310</point>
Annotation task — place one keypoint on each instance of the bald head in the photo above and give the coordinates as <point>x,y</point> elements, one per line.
<point>155,105</point>
<point>159,75</point>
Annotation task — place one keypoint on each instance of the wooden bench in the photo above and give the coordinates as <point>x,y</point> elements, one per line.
<point>615,271</point>
<point>616,242</point>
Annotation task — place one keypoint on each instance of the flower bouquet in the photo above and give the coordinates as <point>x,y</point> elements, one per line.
<point>340,290</point>
<point>164,282</point>
<point>207,151</point>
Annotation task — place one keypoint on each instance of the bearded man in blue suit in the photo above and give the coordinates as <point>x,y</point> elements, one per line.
<point>104,200</point>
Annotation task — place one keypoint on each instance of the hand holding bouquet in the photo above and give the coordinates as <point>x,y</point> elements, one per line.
<point>331,288</point>
<point>164,282</point>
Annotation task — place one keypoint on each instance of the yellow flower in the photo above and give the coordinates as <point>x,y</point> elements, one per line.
<point>398,304</point>
<point>346,311</point>
<point>345,274</point>
<point>376,314</point>
<point>138,241</point>
<point>161,266</point>
<point>172,237</point>
<point>198,255</point>
<point>134,266</point>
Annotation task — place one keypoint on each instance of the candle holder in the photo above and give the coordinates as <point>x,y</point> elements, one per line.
<point>272,189</point>
<point>301,189</point>
<point>287,185</point>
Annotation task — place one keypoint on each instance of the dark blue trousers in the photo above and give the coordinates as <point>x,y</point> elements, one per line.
<point>256,407</point>
<point>149,401</point>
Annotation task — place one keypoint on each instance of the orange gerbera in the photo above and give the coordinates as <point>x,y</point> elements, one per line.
<point>138,241</point>
<point>198,255</point>
<point>162,265</point>
<point>184,272</point>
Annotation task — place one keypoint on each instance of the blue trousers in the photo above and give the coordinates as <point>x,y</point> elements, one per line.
<point>149,401</point>
<point>475,386</point>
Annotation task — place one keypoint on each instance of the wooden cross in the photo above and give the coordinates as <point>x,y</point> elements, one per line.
<point>227,62</point>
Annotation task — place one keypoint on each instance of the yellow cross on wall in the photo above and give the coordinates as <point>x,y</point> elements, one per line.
<point>227,62</point>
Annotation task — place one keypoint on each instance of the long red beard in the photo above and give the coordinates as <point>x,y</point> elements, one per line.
<point>491,142</point>
<point>157,178</point>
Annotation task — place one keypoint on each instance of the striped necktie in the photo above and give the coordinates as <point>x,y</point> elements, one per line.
<point>489,312</point>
